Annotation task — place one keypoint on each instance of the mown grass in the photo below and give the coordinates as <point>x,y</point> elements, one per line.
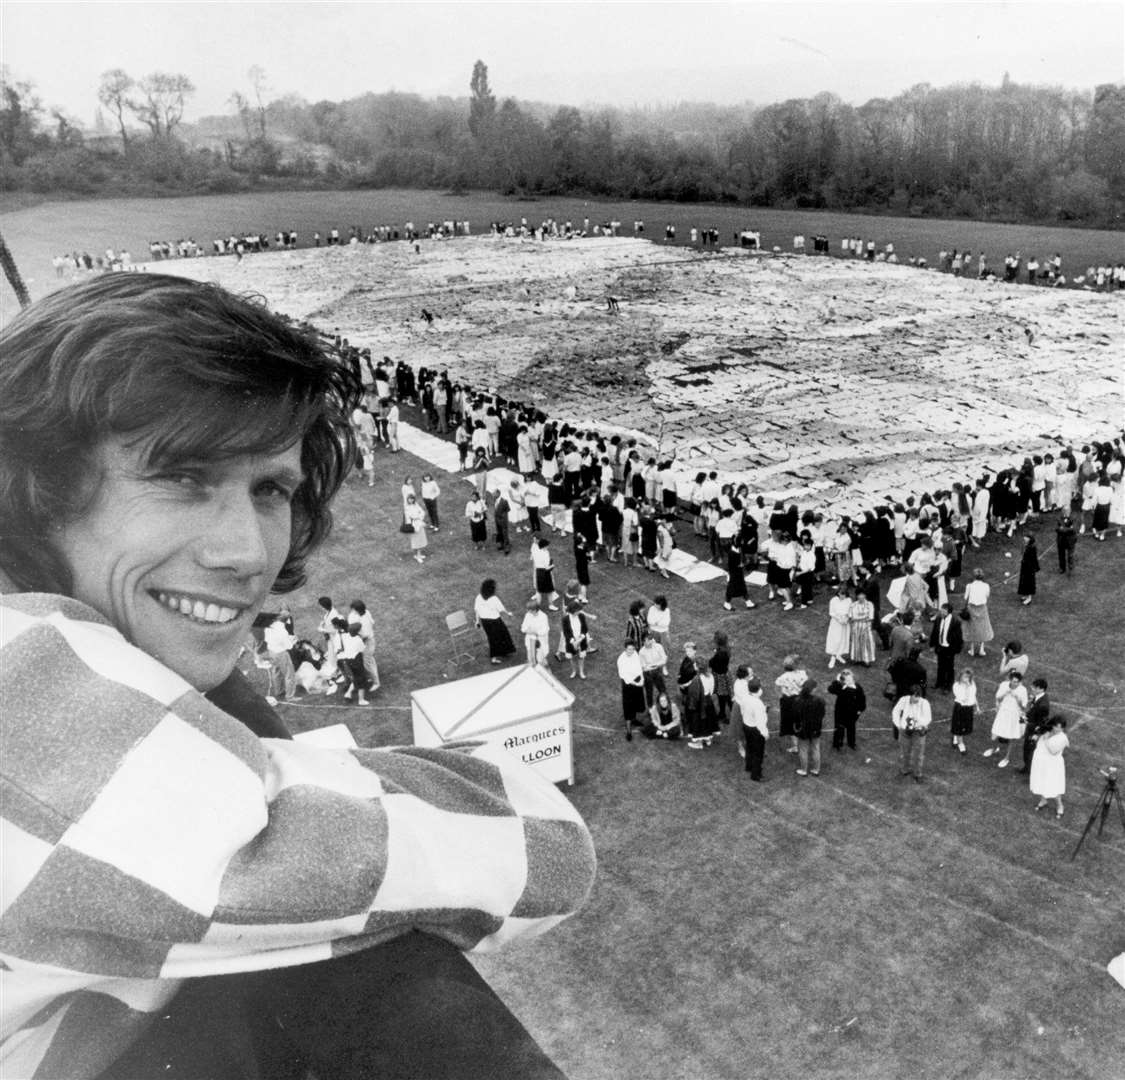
<point>857,925</point>
<point>37,233</point>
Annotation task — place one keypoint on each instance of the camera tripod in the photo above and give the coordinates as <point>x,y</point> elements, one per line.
<point>1109,795</point>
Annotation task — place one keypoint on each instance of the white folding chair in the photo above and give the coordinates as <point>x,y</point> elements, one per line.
<point>460,632</point>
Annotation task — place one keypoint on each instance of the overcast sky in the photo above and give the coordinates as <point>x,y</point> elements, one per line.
<point>564,53</point>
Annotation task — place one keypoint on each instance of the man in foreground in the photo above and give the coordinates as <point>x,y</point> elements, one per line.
<point>168,456</point>
<point>912,717</point>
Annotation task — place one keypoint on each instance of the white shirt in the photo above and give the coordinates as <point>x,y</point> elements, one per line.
<point>536,624</point>
<point>277,638</point>
<point>351,646</point>
<point>492,608</point>
<point>913,715</point>
<point>653,657</point>
<point>326,624</point>
<point>430,489</point>
<point>659,619</point>
<point>965,693</point>
<point>363,423</point>
<point>753,711</point>
<point>630,669</point>
<point>977,592</point>
<point>785,555</point>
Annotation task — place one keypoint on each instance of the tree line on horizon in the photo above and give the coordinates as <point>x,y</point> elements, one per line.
<point>1012,152</point>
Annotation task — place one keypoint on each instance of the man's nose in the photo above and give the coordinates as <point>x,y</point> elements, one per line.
<point>233,537</point>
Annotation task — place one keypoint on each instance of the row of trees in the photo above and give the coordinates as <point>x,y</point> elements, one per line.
<point>1011,152</point>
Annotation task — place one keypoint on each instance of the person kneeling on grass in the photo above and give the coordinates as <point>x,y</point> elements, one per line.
<point>663,719</point>
<point>188,891</point>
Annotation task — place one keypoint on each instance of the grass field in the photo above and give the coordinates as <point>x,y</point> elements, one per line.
<point>36,234</point>
<point>855,925</point>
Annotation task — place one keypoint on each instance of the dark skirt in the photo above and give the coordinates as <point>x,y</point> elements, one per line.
<point>499,640</point>
<point>544,580</point>
<point>632,700</point>
<point>736,582</point>
<point>1101,516</point>
<point>961,723</point>
<point>778,576</point>
<point>669,499</point>
<point>787,712</point>
<point>478,531</point>
<point>703,723</point>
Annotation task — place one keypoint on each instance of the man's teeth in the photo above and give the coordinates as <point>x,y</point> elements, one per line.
<point>197,609</point>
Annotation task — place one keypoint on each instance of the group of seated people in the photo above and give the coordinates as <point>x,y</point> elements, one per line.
<point>341,657</point>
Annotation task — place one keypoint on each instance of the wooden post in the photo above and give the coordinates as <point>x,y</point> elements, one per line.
<point>12,273</point>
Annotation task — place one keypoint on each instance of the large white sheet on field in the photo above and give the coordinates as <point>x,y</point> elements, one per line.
<point>441,453</point>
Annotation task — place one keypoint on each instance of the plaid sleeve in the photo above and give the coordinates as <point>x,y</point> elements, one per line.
<point>150,836</point>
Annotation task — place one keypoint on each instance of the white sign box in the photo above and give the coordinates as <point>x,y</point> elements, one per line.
<point>525,710</point>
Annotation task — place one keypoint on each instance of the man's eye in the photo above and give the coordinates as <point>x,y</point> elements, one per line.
<point>187,478</point>
<point>272,489</point>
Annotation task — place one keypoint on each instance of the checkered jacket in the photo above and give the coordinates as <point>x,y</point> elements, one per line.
<point>149,837</point>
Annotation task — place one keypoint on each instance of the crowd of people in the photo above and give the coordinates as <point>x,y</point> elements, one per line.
<point>887,579</point>
<point>1013,268</point>
<point>152,537</point>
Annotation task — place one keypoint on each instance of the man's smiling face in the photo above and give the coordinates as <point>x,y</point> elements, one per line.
<point>181,557</point>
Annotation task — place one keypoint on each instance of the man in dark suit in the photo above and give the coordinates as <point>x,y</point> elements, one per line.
<point>947,640</point>
<point>1038,718</point>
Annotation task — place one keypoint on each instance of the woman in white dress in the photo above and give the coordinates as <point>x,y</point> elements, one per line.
<point>517,515</point>
<point>1066,471</point>
<point>416,519</point>
<point>982,499</point>
<point>630,533</point>
<point>1007,728</point>
<point>978,629</point>
<point>1048,767</point>
<point>536,630</point>
<point>1116,473</point>
<point>839,626</point>
<point>665,545</point>
<point>525,456</point>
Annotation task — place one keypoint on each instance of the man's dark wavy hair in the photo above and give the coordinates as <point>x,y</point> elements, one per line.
<point>186,369</point>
